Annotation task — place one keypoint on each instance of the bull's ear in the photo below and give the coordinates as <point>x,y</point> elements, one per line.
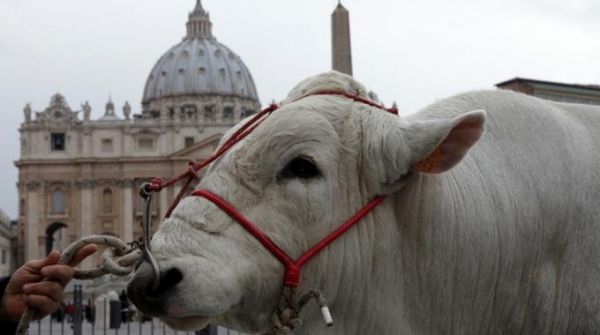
<point>438,145</point>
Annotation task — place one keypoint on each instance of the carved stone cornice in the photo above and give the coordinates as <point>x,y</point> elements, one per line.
<point>107,181</point>
<point>85,183</point>
<point>126,182</point>
<point>51,184</point>
<point>33,185</point>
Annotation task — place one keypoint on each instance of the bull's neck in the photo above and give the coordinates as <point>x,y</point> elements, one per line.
<point>373,289</point>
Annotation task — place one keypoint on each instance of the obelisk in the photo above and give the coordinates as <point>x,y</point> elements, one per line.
<point>341,53</point>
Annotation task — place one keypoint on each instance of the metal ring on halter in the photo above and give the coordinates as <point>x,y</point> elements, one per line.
<point>146,194</point>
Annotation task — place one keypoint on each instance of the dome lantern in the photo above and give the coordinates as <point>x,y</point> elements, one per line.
<point>198,75</point>
<point>198,24</point>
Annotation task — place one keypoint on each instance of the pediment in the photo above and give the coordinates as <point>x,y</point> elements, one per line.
<point>199,150</point>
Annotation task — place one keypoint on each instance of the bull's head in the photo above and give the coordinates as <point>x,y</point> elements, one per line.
<point>303,171</point>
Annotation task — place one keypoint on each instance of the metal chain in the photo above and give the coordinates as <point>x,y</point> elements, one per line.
<point>146,194</point>
<point>122,261</point>
<point>125,257</point>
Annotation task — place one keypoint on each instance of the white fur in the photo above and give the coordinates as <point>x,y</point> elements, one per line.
<point>506,242</point>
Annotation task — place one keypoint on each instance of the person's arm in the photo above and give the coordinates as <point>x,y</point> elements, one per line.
<point>26,288</point>
<point>10,327</point>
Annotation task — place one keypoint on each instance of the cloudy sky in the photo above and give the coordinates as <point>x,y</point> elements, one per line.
<point>411,52</point>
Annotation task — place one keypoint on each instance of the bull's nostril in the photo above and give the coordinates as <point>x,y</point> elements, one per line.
<point>168,279</point>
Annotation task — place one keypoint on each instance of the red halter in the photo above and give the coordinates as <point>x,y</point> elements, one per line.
<point>292,267</point>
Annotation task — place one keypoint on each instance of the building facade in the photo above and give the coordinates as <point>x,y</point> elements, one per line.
<point>8,241</point>
<point>79,176</point>
<point>561,92</point>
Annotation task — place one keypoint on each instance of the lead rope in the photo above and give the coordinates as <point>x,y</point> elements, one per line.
<point>123,259</point>
<point>286,317</point>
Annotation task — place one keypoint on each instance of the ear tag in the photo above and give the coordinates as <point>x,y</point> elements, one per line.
<point>430,163</point>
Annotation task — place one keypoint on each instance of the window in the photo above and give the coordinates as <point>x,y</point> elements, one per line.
<point>22,206</point>
<point>57,202</point>
<point>189,141</point>
<point>57,141</point>
<point>228,113</point>
<point>146,143</point>
<point>107,145</point>
<point>247,112</point>
<point>107,201</point>
<point>209,113</point>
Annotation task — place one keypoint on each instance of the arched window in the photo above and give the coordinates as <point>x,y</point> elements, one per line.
<point>107,200</point>
<point>57,202</point>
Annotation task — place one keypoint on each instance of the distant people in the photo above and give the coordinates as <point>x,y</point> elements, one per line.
<point>125,315</point>
<point>25,287</point>
<point>89,311</point>
<point>70,312</point>
<point>59,315</point>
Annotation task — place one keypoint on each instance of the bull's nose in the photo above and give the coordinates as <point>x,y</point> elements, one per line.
<point>168,280</point>
<point>140,290</point>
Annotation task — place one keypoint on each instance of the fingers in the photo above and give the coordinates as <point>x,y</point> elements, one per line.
<point>82,254</point>
<point>52,258</point>
<point>34,266</point>
<point>42,304</point>
<point>59,273</point>
<point>64,273</point>
<point>51,289</point>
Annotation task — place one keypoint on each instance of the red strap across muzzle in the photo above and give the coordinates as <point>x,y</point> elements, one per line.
<point>292,267</point>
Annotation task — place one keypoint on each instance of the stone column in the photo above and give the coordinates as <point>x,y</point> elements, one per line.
<point>34,208</point>
<point>86,213</point>
<point>237,109</point>
<point>127,196</point>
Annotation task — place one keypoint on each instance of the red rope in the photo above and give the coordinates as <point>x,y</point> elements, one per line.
<point>292,268</point>
<point>157,184</point>
<point>354,97</point>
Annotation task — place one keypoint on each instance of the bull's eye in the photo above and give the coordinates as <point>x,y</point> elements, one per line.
<point>300,167</point>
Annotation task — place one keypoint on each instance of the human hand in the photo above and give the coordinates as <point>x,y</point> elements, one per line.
<point>26,287</point>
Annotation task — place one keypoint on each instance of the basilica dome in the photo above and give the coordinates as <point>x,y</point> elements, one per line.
<point>199,66</point>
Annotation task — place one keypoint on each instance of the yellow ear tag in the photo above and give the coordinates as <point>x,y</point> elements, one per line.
<point>430,163</point>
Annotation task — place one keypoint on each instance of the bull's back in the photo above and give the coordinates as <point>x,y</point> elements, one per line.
<point>527,199</point>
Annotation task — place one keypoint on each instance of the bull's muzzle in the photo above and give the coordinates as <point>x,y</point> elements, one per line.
<point>149,301</point>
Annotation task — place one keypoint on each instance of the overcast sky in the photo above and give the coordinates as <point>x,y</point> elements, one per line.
<point>411,52</point>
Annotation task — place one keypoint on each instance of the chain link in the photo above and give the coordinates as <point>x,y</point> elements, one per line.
<point>120,259</point>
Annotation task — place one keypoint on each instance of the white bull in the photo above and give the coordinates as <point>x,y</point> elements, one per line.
<point>482,232</point>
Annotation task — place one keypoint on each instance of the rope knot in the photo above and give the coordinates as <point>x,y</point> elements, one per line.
<point>286,317</point>
<point>191,169</point>
<point>272,107</point>
<point>156,184</point>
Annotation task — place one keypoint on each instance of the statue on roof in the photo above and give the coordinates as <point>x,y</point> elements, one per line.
<point>126,110</point>
<point>87,111</point>
<point>27,112</point>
